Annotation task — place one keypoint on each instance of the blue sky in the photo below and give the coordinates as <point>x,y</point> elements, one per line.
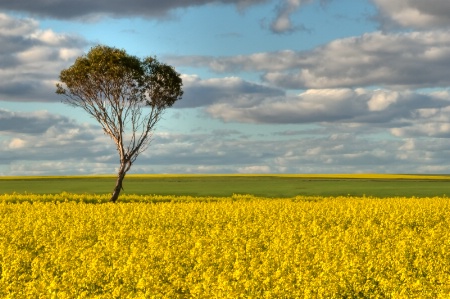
<point>289,86</point>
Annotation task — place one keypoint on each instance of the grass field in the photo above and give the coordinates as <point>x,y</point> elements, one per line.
<point>379,185</point>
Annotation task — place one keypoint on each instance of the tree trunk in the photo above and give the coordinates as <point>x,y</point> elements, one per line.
<point>118,188</point>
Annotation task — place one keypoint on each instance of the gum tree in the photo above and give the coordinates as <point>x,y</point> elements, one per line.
<point>126,95</point>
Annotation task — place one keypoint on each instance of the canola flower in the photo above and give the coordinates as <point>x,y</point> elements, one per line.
<point>71,246</point>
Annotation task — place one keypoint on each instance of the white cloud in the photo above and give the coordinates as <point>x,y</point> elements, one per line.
<point>332,147</point>
<point>88,10</point>
<point>255,169</point>
<point>400,113</point>
<point>36,122</point>
<point>283,22</point>
<point>406,60</point>
<point>204,92</point>
<point>17,143</point>
<point>264,61</point>
<point>381,100</point>
<point>62,167</point>
<point>402,61</point>
<point>359,105</point>
<point>44,137</point>
<point>31,59</point>
<point>414,13</point>
<point>16,27</point>
<point>427,127</point>
<point>328,152</point>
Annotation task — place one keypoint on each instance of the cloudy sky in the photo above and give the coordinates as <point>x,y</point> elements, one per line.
<point>286,86</point>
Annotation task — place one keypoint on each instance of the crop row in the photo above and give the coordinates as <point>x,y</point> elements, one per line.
<point>240,247</point>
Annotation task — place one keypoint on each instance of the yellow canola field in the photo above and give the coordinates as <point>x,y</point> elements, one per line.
<point>237,247</point>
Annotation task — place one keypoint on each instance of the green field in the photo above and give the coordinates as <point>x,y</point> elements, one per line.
<point>378,185</point>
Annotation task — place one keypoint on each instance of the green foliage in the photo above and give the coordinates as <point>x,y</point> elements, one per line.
<point>111,74</point>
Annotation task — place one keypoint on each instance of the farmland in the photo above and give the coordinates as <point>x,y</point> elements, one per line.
<point>227,185</point>
<point>220,245</point>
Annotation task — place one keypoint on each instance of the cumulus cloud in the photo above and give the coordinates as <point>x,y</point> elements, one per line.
<point>82,148</point>
<point>402,113</point>
<point>259,62</point>
<point>405,60</point>
<point>334,153</point>
<point>405,13</point>
<point>62,9</point>
<point>70,147</point>
<point>40,127</point>
<point>427,123</point>
<point>211,153</point>
<point>32,139</point>
<point>31,59</point>
<point>416,14</point>
<point>283,22</point>
<point>204,92</point>
<point>86,10</point>
<point>31,122</point>
<point>330,152</point>
<point>359,105</point>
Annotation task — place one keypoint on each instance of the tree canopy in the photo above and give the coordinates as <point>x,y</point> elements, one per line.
<point>125,94</point>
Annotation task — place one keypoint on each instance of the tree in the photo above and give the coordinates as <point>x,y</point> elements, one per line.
<point>125,94</point>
